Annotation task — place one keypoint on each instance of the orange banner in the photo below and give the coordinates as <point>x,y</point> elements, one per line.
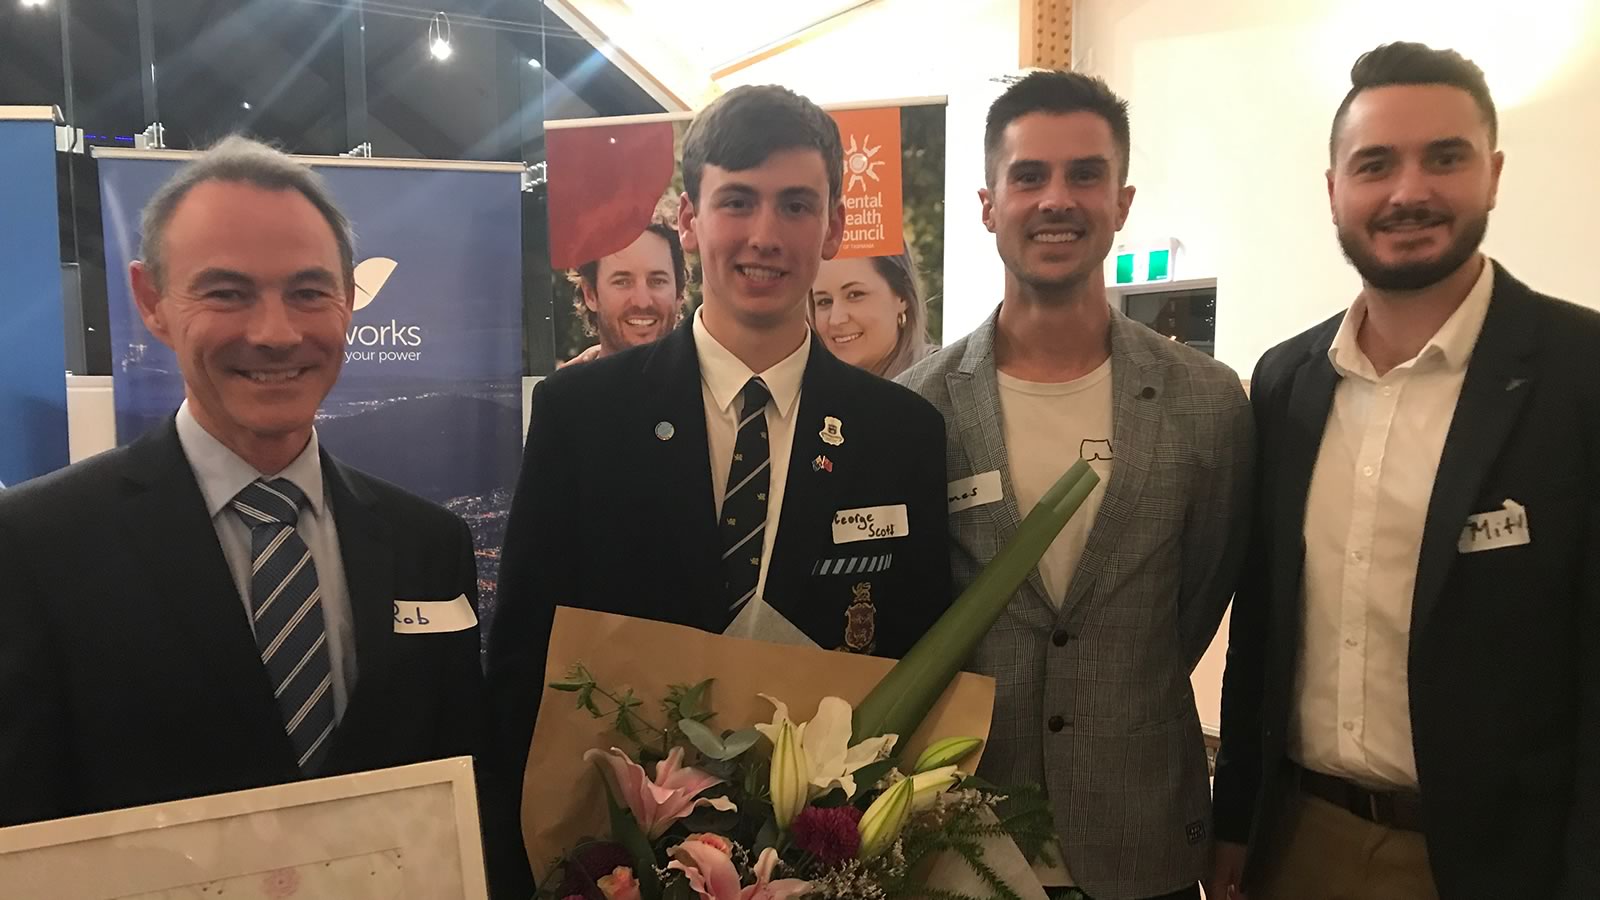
<point>872,210</point>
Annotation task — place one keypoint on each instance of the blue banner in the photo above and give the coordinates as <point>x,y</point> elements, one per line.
<point>33,341</point>
<point>430,397</point>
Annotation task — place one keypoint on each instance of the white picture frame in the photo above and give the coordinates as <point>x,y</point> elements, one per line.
<point>405,832</point>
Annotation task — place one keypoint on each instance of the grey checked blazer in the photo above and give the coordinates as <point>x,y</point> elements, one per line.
<point>1094,701</point>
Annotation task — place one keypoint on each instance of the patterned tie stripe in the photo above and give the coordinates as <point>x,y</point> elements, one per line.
<point>286,608</point>
<point>744,504</point>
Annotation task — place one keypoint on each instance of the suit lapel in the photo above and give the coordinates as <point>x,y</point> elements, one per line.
<point>977,425</point>
<point>1305,420</point>
<point>1498,383</point>
<point>673,395</point>
<point>366,548</point>
<point>809,494</point>
<point>1138,386</point>
<point>195,593</point>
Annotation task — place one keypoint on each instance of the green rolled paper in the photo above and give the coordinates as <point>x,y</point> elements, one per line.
<point>899,703</point>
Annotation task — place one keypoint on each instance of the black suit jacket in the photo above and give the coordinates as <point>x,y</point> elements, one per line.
<point>128,671</point>
<point>1504,662</point>
<point>609,517</point>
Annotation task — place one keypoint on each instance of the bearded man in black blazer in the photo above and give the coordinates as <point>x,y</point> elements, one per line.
<point>216,606</point>
<point>1411,707</point>
<point>733,476</point>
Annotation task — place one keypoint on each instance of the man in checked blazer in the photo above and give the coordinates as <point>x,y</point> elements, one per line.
<point>214,606</point>
<point>1093,655</point>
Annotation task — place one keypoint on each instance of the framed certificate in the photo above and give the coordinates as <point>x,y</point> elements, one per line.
<point>396,833</point>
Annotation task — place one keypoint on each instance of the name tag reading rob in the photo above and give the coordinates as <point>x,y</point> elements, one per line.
<point>870,523</point>
<point>433,616</point>
<point>1504,527</point>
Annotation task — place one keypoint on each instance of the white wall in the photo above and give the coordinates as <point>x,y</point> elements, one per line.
<point>913,48</point>
<point>1231,104</point>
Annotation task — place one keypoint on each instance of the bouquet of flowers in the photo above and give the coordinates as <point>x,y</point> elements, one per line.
<point>825,808</point>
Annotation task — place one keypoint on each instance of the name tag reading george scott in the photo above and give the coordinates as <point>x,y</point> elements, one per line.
<point>870,523</point>
<point>433,616</point>
<point>965,493</point>
<point>1505,527</point>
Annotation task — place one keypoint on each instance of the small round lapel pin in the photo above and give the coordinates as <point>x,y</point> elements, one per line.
<point>665,431</point>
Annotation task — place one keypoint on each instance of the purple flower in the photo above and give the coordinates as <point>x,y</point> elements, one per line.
<point>828,834</point>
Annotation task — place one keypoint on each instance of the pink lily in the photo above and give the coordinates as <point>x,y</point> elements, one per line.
<point>712,875</point>
<point>657,804</point>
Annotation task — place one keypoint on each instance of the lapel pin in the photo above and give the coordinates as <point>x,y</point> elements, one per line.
<point>665,431</point>
<point>830,432</point>
<point>822,464</point>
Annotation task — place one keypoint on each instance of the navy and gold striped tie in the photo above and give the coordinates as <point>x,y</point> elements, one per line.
<point>744,504</point>
<point>286,613</point>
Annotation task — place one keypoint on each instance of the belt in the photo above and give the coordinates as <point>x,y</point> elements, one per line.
<point>1391,809</point>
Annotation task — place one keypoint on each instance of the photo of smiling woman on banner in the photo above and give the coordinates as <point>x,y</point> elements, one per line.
<point>870,313</point>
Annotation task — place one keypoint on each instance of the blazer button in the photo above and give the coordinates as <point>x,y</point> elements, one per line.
<point>1060,638</point>
<point>1056,723</point>
<point>1149,393</point>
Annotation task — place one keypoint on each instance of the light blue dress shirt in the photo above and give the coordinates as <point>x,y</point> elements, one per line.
<point>222,475</point>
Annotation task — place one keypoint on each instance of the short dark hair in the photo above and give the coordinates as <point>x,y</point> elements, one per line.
<point>241,160</point>
<point>588,274</point>
<point>1059,93</point>
<point>1407,62</point>
<point>743,127</point>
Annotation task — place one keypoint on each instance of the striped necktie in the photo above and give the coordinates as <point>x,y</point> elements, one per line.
<point>286,613</point>
<point>744,504</point>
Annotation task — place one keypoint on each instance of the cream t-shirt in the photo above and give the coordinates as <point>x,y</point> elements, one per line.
<point>1048,427</point>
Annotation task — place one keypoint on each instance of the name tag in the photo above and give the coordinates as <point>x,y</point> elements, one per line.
<point>965,493</point>
<point>870,523</point>
<point>433,616</point>
<point>1505,527</point>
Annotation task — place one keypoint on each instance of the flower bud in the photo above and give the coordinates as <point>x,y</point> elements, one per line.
<point>883,821</point>
<point>788,776</point>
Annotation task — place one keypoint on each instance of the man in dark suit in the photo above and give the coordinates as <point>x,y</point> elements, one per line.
<point>1412,701</point>
<point>218,605</point>
<point>733,476</point>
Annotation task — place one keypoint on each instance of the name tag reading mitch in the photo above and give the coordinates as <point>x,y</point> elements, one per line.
<point>1505,527</point>
<point>870,523</point>
<point>433,616</point>
<point>965,493</point>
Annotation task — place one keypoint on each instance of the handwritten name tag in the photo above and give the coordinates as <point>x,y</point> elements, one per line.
<point>433,616</point>
<point>870,523</point>
<point>1505,527</point>
<point>965,493</point>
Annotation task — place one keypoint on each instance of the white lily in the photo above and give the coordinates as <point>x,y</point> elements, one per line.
<point>824,743</point>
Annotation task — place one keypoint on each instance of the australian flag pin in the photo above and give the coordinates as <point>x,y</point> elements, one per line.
<point>822,464</point>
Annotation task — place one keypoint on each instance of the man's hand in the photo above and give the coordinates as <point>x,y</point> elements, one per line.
<point>1227,868</point>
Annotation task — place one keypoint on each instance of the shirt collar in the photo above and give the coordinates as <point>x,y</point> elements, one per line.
<point>222,474</point>
<point>726,375</point>
<point>1452,344</point>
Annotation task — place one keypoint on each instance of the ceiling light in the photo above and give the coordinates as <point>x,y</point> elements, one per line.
<point>439,37</point>
<point>245,105</point>
<point>534,63</point>
<point>33,3</point>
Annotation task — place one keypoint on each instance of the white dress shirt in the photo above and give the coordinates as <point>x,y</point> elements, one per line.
<point>1365,513</point>
<point>722,380</point>
<point>222,475</point>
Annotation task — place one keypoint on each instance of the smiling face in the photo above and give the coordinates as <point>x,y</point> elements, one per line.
<point>1413,179</point>
<point>1057,201</point>
<point>855,311</point>
<point>761,234</point>
<point>252,303</point>
<point>634,298</point>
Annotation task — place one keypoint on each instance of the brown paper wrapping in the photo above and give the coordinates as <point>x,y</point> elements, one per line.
<point>563,798</point>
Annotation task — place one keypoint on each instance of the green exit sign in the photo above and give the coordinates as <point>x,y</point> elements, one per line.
<point>1145,262</point>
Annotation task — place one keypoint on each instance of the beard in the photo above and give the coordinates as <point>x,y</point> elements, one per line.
<point>1413,276</point>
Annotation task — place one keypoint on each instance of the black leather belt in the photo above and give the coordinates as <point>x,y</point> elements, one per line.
<point>1391,809</point>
